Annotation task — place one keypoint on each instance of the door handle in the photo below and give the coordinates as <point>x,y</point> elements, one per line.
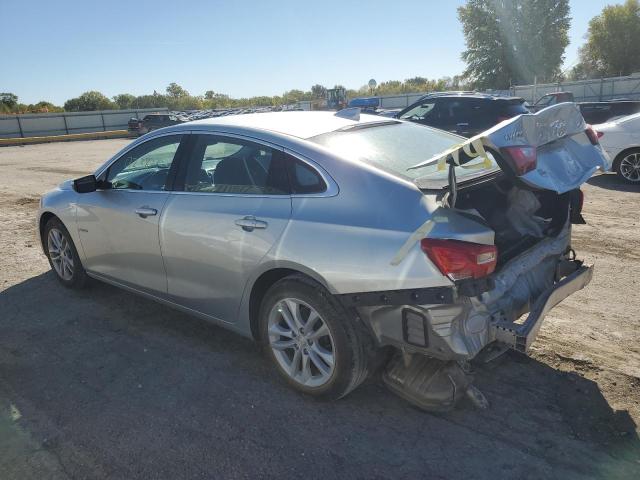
<point>249,223</point>
<point>145,212</point>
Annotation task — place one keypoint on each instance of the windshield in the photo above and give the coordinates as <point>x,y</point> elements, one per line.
<point>394,147</point>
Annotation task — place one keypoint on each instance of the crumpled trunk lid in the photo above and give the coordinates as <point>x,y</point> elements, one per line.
<point>565,155</point>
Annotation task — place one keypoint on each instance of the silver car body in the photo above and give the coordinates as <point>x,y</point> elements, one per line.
<point>195,255</point>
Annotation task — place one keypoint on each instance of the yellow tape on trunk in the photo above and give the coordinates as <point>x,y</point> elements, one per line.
<point>478,151</point>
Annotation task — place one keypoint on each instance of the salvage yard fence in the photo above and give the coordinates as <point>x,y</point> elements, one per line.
<point>64,123</point>
<point>595,90</point>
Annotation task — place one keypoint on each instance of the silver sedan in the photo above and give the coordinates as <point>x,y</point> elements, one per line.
<point>341,242</point>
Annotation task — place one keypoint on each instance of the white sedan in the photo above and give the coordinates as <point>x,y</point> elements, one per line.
<point>621,140</point>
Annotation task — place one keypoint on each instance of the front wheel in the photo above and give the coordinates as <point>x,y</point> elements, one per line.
<point>628,167</point>
<point>311,340</point>
<point>63,256</point>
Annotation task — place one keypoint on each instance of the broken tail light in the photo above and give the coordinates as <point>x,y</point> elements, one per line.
<point>459,260</point>
<point>522,158</point>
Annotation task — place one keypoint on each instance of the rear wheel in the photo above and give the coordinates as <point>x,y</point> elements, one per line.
<point>63,256</point>
<point>310,339</point>
<point>628,167</point>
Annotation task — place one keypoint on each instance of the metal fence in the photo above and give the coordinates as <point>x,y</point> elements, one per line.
<point>45,124</point>
<point>584,90</point>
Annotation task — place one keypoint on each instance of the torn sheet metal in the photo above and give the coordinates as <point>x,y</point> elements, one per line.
<point>565,156</point>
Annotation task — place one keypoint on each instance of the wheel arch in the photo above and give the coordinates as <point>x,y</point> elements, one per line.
<point>42,222</point>
<point>265,281</point>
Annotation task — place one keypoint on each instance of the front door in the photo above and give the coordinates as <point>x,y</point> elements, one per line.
<point>233,208</point>
<point>118,225</point>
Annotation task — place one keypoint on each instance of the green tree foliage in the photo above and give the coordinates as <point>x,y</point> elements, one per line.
<point>177,98</point>
<point>125,101</point>
<point>613,43</point>
<point>318,91</point>
<point>9,100</point>
<point>89,101</point>
<point>176,91</point>
<point>9,104</point>
<point>514,41</point>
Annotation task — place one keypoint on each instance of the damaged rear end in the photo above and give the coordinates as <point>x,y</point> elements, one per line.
<point>516,262</point>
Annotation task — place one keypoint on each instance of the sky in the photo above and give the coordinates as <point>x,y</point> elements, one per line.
<point>56,50</point>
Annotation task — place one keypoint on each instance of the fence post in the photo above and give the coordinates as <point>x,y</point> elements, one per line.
<point>601,85</point>
<point>104,127</point>
<point>20,126</point>
<point>66,127</point>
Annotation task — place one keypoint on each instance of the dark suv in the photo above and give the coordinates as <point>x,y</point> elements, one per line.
<point>466,114</point>
<point>153,121</point>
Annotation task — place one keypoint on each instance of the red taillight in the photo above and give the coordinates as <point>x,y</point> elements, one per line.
<point>593,135</point>
<point>523,159</point>
<point>459,260</point>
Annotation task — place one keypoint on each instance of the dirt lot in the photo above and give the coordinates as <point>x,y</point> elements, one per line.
<point>101,383</point>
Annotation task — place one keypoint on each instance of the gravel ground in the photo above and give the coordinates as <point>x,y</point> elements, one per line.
<point>103,384</point>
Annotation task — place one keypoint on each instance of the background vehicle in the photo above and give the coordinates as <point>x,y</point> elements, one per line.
<point>274,226</point>
<point>593,112</point>
<point>621,140</point>
<point>152,122</point>
<point>465,114</point>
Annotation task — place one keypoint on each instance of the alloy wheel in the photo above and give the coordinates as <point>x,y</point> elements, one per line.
<point>301,342</point>
<point>60,254</point>
<point>630,167</point>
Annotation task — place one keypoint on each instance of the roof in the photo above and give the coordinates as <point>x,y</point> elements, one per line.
<point>297,124</point>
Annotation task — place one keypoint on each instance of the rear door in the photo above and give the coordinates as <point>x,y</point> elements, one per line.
<point>233,206</point>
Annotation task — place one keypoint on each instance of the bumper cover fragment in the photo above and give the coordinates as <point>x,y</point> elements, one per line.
<point>520,336</point>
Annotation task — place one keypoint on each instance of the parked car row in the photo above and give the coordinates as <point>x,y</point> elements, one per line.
<point>154,121</point>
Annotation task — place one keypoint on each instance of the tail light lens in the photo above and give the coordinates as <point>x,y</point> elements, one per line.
<point>523,159</point>
<point>593,135</point>
<point>459,260</point>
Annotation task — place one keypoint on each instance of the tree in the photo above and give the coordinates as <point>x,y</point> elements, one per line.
<point>209,94</point>
<point>318,91</point>
<point>176,91</point>
<point>125,101</point>
<point>89,101</point>
<point>514,41</point>
<point>612,43</point>
<point>9,100</point>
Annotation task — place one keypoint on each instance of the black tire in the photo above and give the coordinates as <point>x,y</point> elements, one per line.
<point>353,347</point>
<point>78,279</point>
<point>618,165</point>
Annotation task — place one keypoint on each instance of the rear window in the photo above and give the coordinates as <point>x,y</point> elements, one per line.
<point>395,147</point>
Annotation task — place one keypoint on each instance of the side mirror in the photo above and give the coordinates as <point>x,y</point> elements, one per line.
<point>85,184</point>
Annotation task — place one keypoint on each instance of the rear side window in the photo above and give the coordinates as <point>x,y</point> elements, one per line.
<point>304,178</point>
<point>227,165</point>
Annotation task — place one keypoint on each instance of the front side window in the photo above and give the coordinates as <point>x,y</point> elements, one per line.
<point>227,165</point>
<point>145,167</point>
